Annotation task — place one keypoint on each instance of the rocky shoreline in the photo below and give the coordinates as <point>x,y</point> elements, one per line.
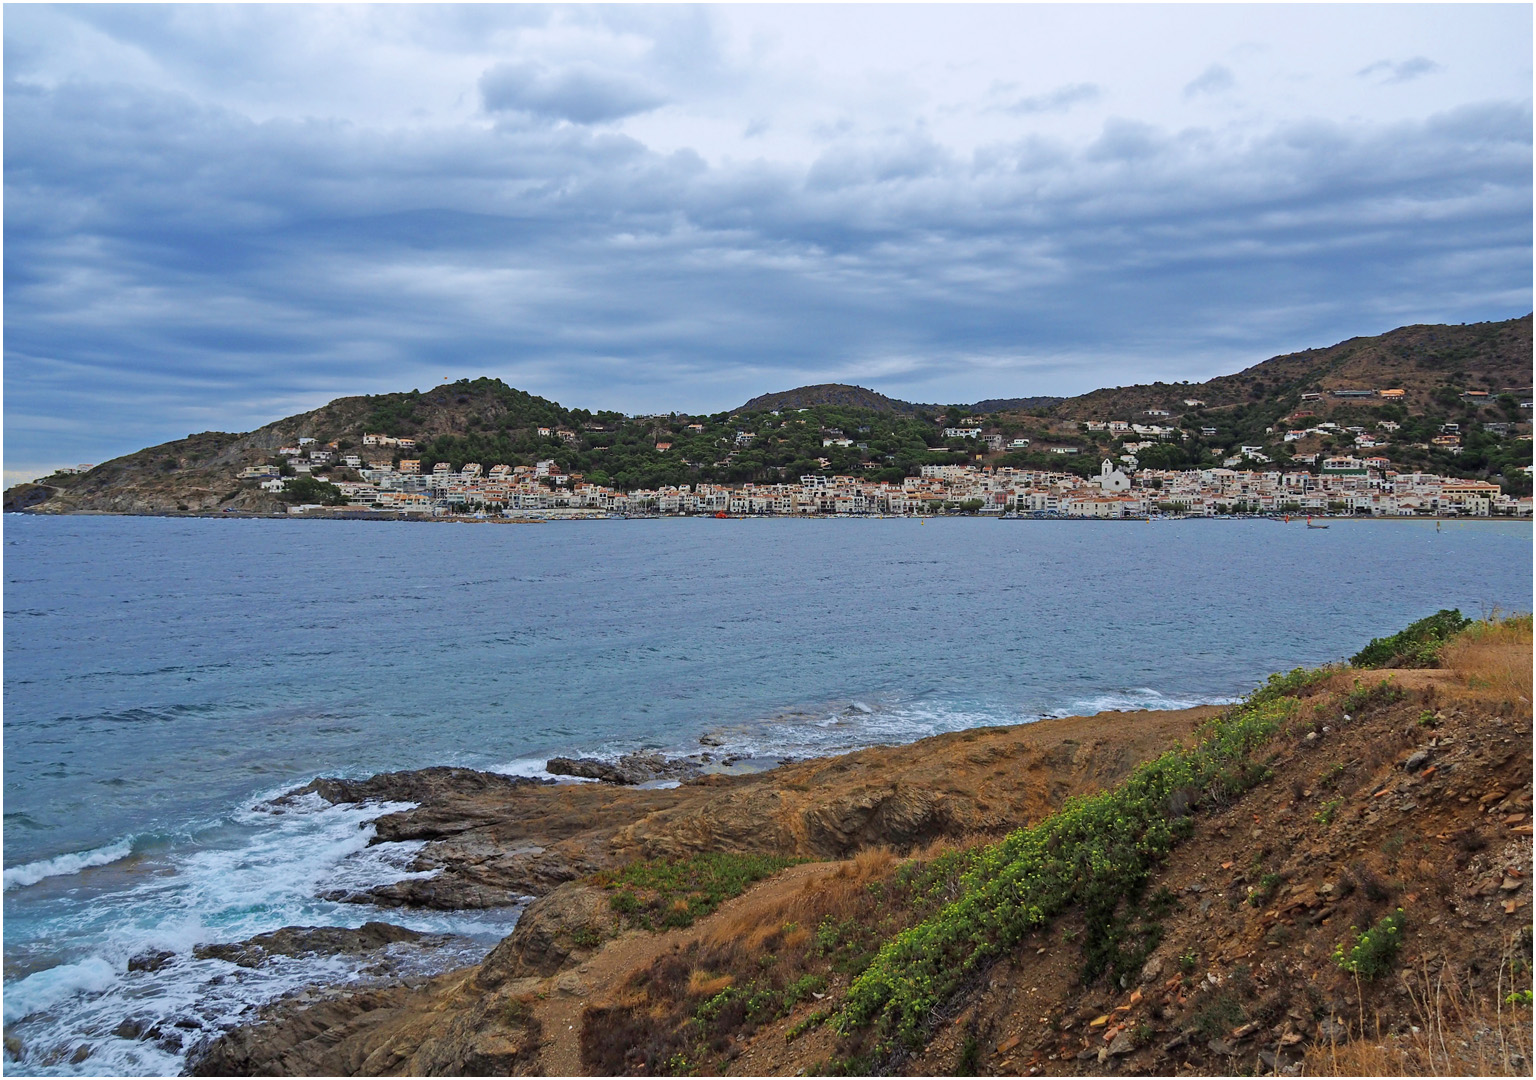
<point>1420,799</point>
<point>496,841</point>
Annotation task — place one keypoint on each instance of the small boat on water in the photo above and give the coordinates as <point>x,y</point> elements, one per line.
<point>1316,524</point>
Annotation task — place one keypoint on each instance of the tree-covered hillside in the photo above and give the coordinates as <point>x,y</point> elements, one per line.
<point>757,446</point>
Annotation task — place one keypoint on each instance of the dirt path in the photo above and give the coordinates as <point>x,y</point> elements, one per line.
<point>560,1014</point>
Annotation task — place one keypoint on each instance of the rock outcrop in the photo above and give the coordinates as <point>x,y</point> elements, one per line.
<point>308,941</point>
<point>495,841</point>
<point>641,767</point>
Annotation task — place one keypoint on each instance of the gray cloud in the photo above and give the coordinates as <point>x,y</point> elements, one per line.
<point>1398,72</point>
<point>582,94</point>
<point>1213,80</point>
<point>173,265</point>
<point>1058,100</point>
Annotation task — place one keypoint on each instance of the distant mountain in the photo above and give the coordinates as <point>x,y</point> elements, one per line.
<point>1428,363</point>
<point>1040,403</point>
<point>198,473</point>
<point>839,394</point>
<point>846,396</point>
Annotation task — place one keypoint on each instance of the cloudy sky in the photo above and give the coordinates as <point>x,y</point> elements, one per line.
<point>219,215</point>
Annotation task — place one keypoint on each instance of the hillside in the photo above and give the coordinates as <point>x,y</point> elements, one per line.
<point>1332,877</point>
<point>1433,365</point>
<point>857,397</point>
<point>488,422</point>
<point>199,473</point>
<point>1039,404</point>
<point>841,394</point>
<point>836,429</point>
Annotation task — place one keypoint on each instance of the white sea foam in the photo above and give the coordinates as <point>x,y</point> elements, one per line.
<point>841,727</point>
<point>534,767</point>
<point>1130,700</point>
<point>44,989</point>
<point>238,884</point>
<point>31,873</point>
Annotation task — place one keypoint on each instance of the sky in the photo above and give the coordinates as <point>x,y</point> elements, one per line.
<point>219,215</point>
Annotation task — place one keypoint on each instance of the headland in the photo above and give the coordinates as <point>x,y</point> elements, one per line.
<point>1333,875</point>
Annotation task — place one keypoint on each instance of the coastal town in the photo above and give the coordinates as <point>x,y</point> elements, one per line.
<point>481,450</point>
<point>1341,485</point>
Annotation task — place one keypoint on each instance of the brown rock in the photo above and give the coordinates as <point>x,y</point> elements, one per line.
<point>307,941</point>
<point>567,922</point>
<point>152,960</point>
<point>415,785</point>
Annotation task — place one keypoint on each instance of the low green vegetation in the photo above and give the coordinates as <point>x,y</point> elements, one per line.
<point>667,893</point>
<point>1416,645</point>
<point>1222,1012</point>
<point>1375,950</point>
<point>1362,698</point>
<point>1265,891</point>
<point>760,1002</point>
<point>1096,853</point>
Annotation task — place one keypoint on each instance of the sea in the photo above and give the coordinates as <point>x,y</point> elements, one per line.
<point>164,678</point>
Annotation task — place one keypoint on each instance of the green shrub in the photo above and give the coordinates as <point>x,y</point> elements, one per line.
<point>1266,890</point>
<point>1374,950</point>
<point>1416,645</point>
<point>816,1019</point>
<point>587,937</point>
<point>1361,698</point>
<point>1221,1013</point>
<point>1096,852</point>
<point>970,1057</point>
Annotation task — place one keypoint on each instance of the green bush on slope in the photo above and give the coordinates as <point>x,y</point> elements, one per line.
<point>1417,645</point>
<point>1097,851</point>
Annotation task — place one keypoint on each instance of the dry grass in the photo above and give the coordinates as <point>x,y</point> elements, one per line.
<point>703,984</point>
<point>1458,1031</point>
<point>841,893</point>
<point>1491,660</point>
<point>766,957</point>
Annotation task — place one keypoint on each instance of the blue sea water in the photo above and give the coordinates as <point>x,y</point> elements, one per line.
<point>164,676</point>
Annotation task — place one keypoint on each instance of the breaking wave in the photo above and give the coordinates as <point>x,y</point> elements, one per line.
<point>31,873</point>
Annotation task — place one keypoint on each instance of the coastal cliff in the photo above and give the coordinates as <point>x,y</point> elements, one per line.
<point>1332,876</point>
